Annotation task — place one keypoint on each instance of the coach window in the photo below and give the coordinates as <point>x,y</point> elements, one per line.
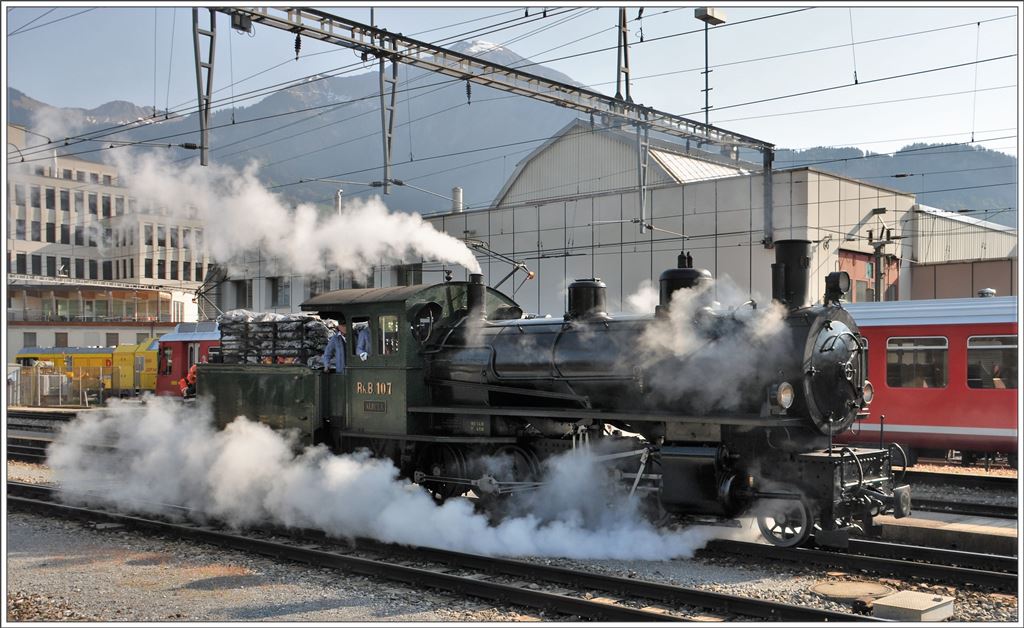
<point>917,362</point>
<point>388,335</point>
<point>992,362</point>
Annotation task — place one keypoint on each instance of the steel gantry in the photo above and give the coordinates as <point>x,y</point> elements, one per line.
<point>397,48</point>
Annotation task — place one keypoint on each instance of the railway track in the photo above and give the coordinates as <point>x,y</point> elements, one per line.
<point>42,414</point>
<point>501,580</point>
<point>983,482</point>
<point>907,561</point>
<point>993,511</point>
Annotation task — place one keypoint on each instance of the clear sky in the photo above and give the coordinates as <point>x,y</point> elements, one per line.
<point>84,54</point>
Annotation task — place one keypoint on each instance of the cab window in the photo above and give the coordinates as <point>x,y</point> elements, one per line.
<point>165,361</point>
<point>917,362</point>
<point>388,336</point>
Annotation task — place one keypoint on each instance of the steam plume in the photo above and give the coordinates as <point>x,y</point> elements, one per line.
<point>241,215</point>
<point>246,473</point>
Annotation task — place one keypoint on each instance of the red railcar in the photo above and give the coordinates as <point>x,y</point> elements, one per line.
<point>945,375</point>
<point>188,344</point>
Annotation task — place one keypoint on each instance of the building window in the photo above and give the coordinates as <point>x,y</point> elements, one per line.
<point>60,339</point>
<point>113,339</point>
<point>66,174</point>
<point>280,291</point>
<point>19,229</point>
<point>94,177</point>
<point>91,236</point>
<point>107,180</point>
<point>161,235</point>
<point>37,265</point>
<point>51,232</point>
<point>147,268</point>
<point>65,267</point>
<point>51,266</point>
<point>199,273</point>
<point>34,195</point>
<point>174,269</point>
<point>65,234</point>
<point>161,267</point>
<point>65,200</point>
<point>79,201</point>
<point>22,263</point>
<point>186,271</point>
<point>174,237</point>
<point>80,176</point>
<point>108,270</point>
<point>864,292</point>
<point>409,274</point>
<point>92,205</point>
<point>106,206</point>
<point>93,269</point>
<point>119,206</point>
<point>79,236</point>
<point>199,238</point>
<point>186,238</point>
<point>147,230</point>
<point>243,293</point>
<point>917,362</point>
<point>29,338</point>
<point>79,269</point>
<point>19,195</point>
<point>36,235</point>
<point>51,198</point>
<point>992,362</point>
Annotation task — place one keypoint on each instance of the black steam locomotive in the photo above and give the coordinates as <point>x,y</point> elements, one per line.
<point>705,411</point>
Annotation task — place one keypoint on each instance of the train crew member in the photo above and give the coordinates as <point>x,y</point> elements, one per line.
<point>336,348</point>
<point>362,340</point>
<point>188,383</point>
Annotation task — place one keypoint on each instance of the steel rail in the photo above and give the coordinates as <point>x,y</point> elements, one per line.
<point>904,567</point>
<point>971,560</point>
<point>966,480</point>
<point>970,509</point>
<point>480,587</point>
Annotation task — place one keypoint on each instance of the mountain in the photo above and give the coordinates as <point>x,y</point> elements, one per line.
<point>972,179</point>
<point>448,133</point>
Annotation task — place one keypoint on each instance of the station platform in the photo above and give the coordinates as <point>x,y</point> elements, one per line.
<point>959,532</point>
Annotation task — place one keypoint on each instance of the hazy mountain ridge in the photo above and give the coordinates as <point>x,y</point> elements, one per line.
<point>341,139</point>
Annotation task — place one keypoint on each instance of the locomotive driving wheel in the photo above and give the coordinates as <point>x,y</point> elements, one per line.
<point>448,461</point>
<point>784,522</point>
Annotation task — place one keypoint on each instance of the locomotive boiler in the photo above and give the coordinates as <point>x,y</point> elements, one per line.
<point>706,411</point>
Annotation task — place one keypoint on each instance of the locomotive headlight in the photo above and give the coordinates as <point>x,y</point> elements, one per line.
<point>785,395</point>
<point>869,392</point>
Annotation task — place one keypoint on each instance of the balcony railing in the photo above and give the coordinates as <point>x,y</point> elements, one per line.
<point>51,317</point>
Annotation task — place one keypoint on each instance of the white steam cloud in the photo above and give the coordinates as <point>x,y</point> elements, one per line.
<point>170,455</point>
<point>241,215</point>
<point>707,352</point>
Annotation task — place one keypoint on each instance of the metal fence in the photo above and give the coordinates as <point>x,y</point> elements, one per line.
<point>46,386</point>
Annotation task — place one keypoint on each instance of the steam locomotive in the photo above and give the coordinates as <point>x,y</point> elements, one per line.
<point>703,411</point>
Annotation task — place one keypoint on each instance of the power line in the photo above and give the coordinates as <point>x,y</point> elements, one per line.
<point>60,19</point>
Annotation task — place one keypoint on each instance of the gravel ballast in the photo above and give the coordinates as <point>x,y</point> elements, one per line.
<point>68,570</point>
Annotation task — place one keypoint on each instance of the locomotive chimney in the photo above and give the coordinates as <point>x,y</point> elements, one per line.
<point>685,276</point>
<point>475,293</point>
<point>791,272</point>
<point>587,299</point>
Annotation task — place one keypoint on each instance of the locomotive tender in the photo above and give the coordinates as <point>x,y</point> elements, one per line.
<point>458,378</point>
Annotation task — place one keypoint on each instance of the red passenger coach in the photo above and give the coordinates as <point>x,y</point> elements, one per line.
<point>945,376</point>
<point>188,344</point>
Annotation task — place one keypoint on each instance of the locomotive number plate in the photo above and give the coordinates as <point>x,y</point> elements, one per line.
<point>375,406</point>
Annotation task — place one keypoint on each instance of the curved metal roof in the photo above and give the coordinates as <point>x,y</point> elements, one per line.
<point>935,311</point>
<point>353,296</point>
